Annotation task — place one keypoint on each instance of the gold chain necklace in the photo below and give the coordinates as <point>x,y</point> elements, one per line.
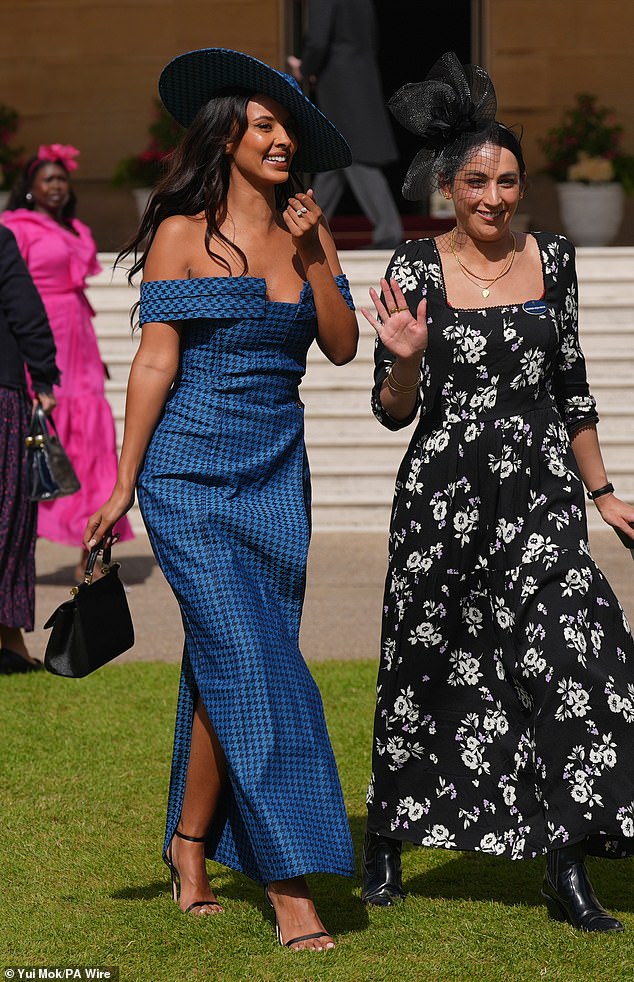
<point>475,276</point>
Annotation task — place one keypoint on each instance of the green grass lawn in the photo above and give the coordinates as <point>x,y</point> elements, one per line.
<point>83,785</point>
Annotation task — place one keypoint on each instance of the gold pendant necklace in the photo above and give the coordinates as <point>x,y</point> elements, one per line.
<point>475,276</point>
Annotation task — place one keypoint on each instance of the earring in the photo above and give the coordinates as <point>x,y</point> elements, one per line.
<point>28,196</point>
<point>447,195</point>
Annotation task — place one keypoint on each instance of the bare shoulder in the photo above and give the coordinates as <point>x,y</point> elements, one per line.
<point>173,247</point>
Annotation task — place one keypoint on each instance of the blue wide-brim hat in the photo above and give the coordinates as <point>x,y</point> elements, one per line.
<point>190,80</point>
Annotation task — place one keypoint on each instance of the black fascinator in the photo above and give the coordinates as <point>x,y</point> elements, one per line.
<point>451,111</point>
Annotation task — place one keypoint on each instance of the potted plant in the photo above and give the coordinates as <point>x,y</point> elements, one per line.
<point>593,174</point>
<point>9,155</point>
<point>140,172</point>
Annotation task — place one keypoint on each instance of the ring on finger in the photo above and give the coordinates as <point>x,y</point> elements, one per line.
<point>301,211</point>
<point>393,310</point>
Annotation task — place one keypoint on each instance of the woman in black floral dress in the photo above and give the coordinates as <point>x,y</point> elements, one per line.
<point>505,707</point>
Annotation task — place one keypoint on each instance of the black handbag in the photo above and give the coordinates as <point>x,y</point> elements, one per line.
<point>94,626</point>
<point>625,539</point>
<point>50,472</point>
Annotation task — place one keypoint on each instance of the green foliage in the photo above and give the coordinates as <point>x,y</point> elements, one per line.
<point>587,132</point>
<point>83,782</point>
<point>9,155</point>
<point>145,169</point>
<point>624,171</point>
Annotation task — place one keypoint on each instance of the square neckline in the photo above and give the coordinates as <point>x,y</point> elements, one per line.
<point>497,306</point>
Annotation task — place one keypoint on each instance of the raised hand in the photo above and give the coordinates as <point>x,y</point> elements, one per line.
<point>302,217</point>
<point>401,333</point>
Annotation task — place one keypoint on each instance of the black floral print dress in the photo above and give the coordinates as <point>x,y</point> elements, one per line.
<point>505,699</point>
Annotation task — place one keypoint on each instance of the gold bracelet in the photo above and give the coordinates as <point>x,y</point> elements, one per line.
<point>397,386</point>
<point>403,384</point>
<point>400,388</point>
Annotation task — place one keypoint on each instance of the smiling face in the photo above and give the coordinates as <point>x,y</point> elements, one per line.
<point>486,192</point>
<point>264,153</point>
<point>50,188</point>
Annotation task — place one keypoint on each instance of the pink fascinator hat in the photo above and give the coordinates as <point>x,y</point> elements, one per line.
<point>57,153</point>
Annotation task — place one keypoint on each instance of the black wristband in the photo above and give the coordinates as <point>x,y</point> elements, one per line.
<point>606,489</point>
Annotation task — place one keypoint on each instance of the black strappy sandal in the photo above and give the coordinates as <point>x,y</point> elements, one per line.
<point>302,937</point>
<point>176,879</point>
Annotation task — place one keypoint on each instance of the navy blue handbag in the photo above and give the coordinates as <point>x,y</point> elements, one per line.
<point>50,472</point>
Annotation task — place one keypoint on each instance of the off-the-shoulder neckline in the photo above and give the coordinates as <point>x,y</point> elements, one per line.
<point>235,279</point>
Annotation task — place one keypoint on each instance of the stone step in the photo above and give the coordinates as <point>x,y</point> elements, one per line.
<point>385,458</point>
<point>348,418</point>
<point>604,373</point>
<point>601,318</point>
<point>338,517</point>
<point>331,393</point>
<point>358,429</point>
<point>601,293</point>
<point>123,343</point>
<point>615,263</point>
<point>353,459</point>
<point>333,514</point>
<point>613,346</point>
<point>613,316</point>
<point>610,378</point>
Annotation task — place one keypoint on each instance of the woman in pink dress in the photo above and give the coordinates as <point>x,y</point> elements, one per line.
<point>60,253</point>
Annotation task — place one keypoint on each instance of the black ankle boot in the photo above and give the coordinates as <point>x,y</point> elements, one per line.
<point>381,871</point>
<point>569,895</point>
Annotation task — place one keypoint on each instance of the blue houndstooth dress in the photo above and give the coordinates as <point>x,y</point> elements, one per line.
<point>225,495</point>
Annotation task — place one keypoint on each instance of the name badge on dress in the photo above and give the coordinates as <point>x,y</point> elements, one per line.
<point>535,307</point>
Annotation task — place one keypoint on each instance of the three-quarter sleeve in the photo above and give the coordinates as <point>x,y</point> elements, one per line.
<point>401,269</point>
<point>574,399</point>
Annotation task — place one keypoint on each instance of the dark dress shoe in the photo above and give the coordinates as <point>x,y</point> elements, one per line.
<point>381,871</point>
<point>12,663</point>
<point>569,895</point>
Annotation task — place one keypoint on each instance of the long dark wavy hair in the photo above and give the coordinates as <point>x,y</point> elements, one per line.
<point>22,187</point>
<point>197,180</point>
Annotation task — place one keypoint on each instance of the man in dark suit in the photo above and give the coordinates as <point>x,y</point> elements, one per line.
<point>339,58</point>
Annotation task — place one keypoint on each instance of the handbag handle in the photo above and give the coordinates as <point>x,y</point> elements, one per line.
<point>39,431</point>
<point>92,559</point>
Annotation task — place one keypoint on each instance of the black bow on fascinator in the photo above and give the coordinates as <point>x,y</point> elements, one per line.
<point>451,111</point>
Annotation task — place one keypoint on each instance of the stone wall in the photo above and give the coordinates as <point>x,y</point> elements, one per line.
<point>85,72</point>
<point>541,53</point>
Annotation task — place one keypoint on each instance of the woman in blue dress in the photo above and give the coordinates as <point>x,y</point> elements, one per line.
<point>240,275</point>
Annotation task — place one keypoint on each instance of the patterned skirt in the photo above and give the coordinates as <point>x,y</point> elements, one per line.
<point>18,516</point>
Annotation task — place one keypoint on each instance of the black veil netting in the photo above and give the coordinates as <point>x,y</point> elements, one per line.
<point>451,111</point>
